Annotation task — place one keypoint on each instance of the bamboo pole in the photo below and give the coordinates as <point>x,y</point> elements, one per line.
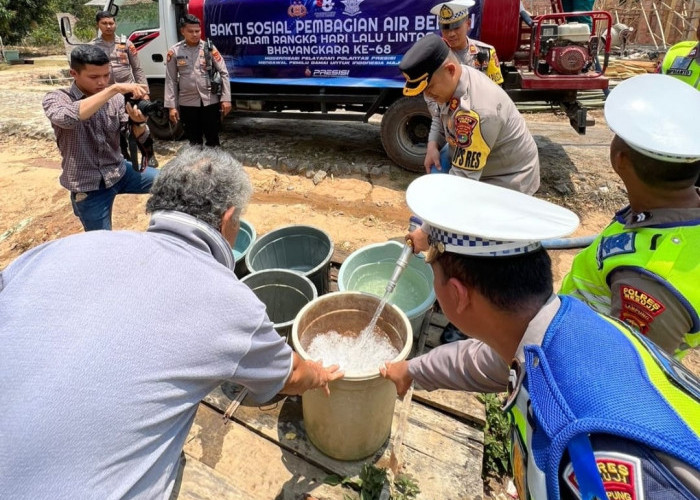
<point>646,20</point>
<point>691,17</point>
<point>658,20</point>
<point>669,19</point>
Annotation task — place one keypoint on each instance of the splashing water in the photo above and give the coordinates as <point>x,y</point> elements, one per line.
<point>372,324</point>
<point>356,353</point>
<point>353,353</point>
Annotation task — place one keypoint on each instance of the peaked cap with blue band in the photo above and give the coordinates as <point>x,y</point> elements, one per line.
<point>451,15</point>
<point>485,220</point>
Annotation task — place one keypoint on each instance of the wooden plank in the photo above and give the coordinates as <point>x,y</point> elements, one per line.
<point>339,256</point>
<point>442,453</point>
<point>199,481</point>
<point>461,404</point>
<point>280,420</point>
<point>254,467</point>
<point>433,339</point>
<point>439,319</point>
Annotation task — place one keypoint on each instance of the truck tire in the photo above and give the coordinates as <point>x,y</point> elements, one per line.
<point>404,131</point>
<point>159,124</point>
<point>161,128</point>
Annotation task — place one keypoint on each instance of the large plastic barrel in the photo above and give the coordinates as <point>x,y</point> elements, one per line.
<point>355,421</point>
<point>369,269</point>
<point>244,240</point>
<point>304,249</point>
<point>284,293</point>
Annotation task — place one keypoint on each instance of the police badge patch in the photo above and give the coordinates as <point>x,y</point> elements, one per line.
<point>617,244</point>
<point>621,474</point>
<point>464,127</point>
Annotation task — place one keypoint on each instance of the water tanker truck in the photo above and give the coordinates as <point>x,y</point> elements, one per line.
<point>337,59</point>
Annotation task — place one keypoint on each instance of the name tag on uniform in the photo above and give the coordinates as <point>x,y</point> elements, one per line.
<point>181,61</point>
<point>680,66</point>
<point>472,151</point>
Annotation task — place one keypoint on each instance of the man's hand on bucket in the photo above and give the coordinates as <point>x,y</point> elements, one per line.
<point>310,375</point>
<point>398,374</point>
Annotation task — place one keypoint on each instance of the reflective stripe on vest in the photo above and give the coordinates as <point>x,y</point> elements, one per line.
<point>687,407</point>
<point>529,480</point>
<point>666,254</point>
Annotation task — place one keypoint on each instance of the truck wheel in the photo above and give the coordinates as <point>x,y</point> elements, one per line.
<point>159,124</point>
<point>405,129</point>
<point>161,128</point>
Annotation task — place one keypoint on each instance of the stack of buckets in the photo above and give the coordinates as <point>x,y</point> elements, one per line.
<point>289,272</point>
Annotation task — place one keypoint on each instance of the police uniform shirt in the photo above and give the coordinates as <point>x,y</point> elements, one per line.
<point>448,362</point>
<point>187,81</point>
<point>123,60</point>
<point>667,328</point>
<point>488,137</point>
<point>489,64</point>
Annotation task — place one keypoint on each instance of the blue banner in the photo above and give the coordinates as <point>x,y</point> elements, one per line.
<point>319,42</point>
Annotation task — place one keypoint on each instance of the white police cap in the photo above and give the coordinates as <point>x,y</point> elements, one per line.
<point>474,218</point>
<point>658,116</point>
<point>452,14</point>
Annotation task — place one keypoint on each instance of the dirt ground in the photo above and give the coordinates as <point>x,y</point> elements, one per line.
<point>360,200</point>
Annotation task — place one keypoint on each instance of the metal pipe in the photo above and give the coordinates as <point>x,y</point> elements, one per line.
<point>401,264</point>
<point>564,243</point>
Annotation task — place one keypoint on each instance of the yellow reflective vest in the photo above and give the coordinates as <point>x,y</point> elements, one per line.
<point>668,254</point>
<point>681,62</point>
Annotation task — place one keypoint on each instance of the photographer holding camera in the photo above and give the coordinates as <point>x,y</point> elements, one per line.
<point>125,67</point>
<point>87,119</point>
<point>197,88</point>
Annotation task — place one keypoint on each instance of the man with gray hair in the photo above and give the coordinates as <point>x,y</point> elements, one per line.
<point>119,355</point>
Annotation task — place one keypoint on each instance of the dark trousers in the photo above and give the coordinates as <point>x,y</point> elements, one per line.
<point>201,120</point>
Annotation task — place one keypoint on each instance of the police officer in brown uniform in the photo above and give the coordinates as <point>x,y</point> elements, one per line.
<point>453,18</point>
<point>188,85</point>
<point>123,56</point>
<point>124,63</point>
<point>487,136</point>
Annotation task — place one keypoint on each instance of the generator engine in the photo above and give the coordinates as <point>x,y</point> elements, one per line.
<point>566,47</point>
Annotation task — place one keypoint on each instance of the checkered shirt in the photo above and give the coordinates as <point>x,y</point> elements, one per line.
<point>89,148</point>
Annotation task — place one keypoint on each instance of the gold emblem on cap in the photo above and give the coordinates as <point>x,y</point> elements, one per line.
<point>446,13</point>
<point>436,249</point>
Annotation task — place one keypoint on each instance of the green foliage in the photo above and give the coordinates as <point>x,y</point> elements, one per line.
<point>405,488</point>
<point>496,438</point>
<point>17,17</point>
<point>33,22</point>
<point>370,482</point>
<point>43,30</point>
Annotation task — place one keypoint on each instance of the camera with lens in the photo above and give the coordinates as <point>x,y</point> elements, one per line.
<point>147,108</point>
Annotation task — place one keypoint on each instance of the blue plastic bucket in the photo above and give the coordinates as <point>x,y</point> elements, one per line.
<point>304,249</point>
<point>369,269</point>
<point>245,239</point>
